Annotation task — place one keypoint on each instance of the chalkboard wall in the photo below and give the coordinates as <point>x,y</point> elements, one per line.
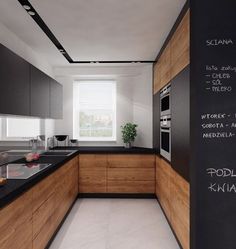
<point>213,124</point>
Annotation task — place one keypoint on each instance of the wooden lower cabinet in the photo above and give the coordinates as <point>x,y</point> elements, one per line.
<point>134,174</point>
<point>173,193</point>
<point>92,173</point>
<point>30,221</point>
<point>131,161</point>
<point>16,223</point>
<point>116,173</point>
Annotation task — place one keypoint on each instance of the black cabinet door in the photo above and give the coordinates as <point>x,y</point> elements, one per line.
<point>56,100</point>
<point>156,122</point>
<point>14,83</point>
<point>40,93</point>
<point>180,123</point>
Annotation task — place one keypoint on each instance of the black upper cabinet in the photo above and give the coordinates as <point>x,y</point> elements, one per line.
<point>25,90</point>
<point>156,122</point>
<point>40,93</point>
<point>56,100</point>
<point>180,123</point>
<point>14,83</point>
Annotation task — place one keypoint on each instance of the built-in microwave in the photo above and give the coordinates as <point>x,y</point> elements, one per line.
<point>165,100</point>
<point>165,137</point>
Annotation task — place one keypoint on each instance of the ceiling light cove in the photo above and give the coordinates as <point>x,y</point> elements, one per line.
<point>36,17</point>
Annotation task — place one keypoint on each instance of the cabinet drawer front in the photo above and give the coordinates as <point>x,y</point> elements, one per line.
<point>42,191</point>
<point>131,174</point>
<point>45,235</point>
<point>133,187</point>
<point>14,217</point>
<point>92,180</point>
<point>131,161</point>
<point>15,214</point>
<point>42,214</point>
<point>21,238</point>
<point>92,161</point>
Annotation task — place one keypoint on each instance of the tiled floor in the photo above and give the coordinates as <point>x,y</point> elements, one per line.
<point>115,224</point>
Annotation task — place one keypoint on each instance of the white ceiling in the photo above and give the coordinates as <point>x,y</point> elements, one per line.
<point>95,29</point>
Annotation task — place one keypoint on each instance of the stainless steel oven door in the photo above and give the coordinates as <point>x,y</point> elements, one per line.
<point>165,142</point>
<point>165,100</point>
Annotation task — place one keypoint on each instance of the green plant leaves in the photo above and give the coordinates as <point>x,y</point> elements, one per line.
<point>129,132</point>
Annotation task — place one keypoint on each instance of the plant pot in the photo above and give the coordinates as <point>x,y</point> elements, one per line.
<point>128,145</point>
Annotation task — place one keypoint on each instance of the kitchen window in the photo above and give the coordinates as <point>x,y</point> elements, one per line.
<point>94,117</point>
<point>18,128</point>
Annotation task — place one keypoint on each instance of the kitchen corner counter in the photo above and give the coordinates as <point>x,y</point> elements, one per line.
<point>15,187</point>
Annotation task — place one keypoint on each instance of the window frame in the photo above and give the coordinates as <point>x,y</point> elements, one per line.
<point>114,126</point>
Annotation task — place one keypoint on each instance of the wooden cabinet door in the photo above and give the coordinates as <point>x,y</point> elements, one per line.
<point>131,174</point>
<point>181,210</point>
<point>40,93</point>
<point>56,100</point>
<point>156,77</point>
<point>131,161</point>
<point>163,173</point>
<point>165,69</point>
<point>14,83</point>
<point>16,223</point>
<point>92,173</point>
<point>180,44</point>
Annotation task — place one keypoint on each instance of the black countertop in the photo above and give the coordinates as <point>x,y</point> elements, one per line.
<point>108,150</point>
<point>15,188</point>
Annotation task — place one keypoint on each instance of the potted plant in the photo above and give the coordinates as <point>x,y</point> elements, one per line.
<point>129,133</point>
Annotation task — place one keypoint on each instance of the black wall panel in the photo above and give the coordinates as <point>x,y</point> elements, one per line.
<point>180,123</point>
<point>56,100</point>
<point>25,90</point>
<point>14,83</point>
<point>40,93</point>
<point>156,122</point>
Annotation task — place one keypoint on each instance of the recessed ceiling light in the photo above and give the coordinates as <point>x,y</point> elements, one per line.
<point>32,13</point>
<point>26,7</point>
<point>62,51</point>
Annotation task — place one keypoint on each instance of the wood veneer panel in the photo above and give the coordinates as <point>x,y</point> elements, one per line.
<point>156,77</point>
<point>180,46</point>
<point>131,174</point>
<point>131,161</point>
<point>92,161</point>
<point>16,223</point>
<point>133,187</point>
<point>42,191</point>
<point>181,209</point>
<point>92,180</point>
<point>42,214</point>
<point>165,62</point>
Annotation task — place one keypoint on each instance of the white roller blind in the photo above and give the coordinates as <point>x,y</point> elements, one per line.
<point>94,110</point>
<point>22,127</point>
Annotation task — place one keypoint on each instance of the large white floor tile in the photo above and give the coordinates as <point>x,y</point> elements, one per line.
<point>115,224</point>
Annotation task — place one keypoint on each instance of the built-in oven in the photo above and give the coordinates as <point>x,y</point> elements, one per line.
<point>165,137</point>
<point>165,100</point>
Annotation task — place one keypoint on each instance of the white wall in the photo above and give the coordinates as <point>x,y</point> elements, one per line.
<point>11,41</point>
<point>134,98</point>
<point>15,44</point>
<point>142,107</point>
